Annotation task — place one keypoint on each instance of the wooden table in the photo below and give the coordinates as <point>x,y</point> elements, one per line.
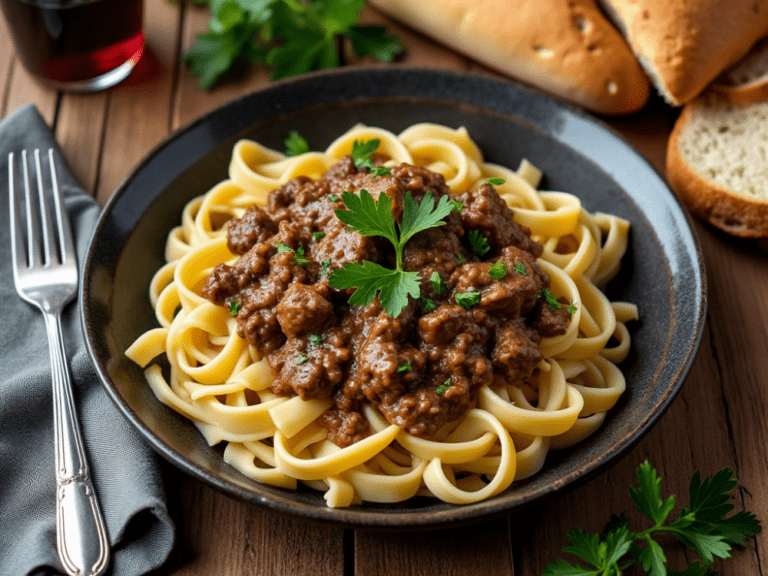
<point>719,418</point>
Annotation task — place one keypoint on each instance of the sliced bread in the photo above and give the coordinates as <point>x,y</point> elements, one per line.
<point>717,162</point>
<point>747,81</point>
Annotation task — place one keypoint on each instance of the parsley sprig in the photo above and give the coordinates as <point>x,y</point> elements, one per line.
<point>703,526</point>
<point>295,144</point>
<point>361,154</point>
<point>370,217</point>
<point>291,36</point>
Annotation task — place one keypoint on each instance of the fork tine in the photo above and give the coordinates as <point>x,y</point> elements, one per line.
<point>66,243</point>
<point>49,248</point>
<point>33,229</point>
<point>17,240</point>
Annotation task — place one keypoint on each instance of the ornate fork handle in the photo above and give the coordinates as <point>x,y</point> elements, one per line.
<point>81,536</point>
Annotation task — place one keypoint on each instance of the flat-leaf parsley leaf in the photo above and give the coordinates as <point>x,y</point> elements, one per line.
<point>295,144</point>
<point>443,387</point>
<point>702,526</point>
<point>498,271</point>
<point>439,287</point>
<point>553,302</point>
<point>291,36</point>
<point>467,299</point>
<point>478,243</point>
<point>372,217</point>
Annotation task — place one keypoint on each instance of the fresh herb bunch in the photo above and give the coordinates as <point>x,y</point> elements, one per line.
<point>370,217</point>
<point>291,36</point>
<point>702,526</point>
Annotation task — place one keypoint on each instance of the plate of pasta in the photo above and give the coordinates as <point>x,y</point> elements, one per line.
<point>393,297</point>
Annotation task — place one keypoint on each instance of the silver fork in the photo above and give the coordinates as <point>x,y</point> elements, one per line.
<point>46,276</point>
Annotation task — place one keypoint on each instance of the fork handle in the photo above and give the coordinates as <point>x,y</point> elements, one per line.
<point>81,535</point>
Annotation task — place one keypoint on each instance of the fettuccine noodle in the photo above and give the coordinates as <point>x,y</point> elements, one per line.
<point>220,383</point>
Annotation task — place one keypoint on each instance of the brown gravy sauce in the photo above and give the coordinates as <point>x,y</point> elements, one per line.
<point>421,369</point>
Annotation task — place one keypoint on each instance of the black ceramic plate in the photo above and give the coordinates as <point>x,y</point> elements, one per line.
<point>662,270</point>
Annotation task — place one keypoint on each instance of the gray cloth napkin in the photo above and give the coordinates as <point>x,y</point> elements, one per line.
<point>124,469</point>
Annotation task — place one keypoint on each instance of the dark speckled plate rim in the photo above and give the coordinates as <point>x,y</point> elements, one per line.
<point>453,516</point>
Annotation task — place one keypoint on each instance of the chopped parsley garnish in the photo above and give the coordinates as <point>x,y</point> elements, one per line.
<point>325,267</point>
<point>496,181</point>
<point>380,171</point>
<point>362,150</point>
<point>703,526</point>
<point>291,36</point>
<point>361,154</point>
<point>299,256</point>
<point>467,299</point>
<point>549,297</point>
<point>333,197</point>
<point>405,367</point>
<point>572,309</point>
<point>316,339</point>
<point>520,268</point>
<point>460,258</point>
<point>234,307</point>
<point>300,359</point>
<point>498,271</point>
<point>318,236</point>
<point>427,305</point>
<point>478,243</point>
<point>370,217</point>
<point>438,284</point>
<point>458,205</point>
<point>295,144</point>
<point>443,387</point>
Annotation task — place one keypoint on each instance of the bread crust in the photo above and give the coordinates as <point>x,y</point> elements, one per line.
<point>569,49</point>
<point>730,212</point>
<point>685,45</point>
<point>740,92</point>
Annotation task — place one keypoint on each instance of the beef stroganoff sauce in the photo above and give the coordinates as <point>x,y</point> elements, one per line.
<point>504,356</point>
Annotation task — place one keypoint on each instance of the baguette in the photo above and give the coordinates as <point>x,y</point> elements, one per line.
<point>568,48</point>
<point>717,163</point>
<point>685,45</point>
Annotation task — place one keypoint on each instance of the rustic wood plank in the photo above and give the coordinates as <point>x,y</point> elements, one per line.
<point>693,434</point>
<point>6,63</point>
<point>80,132</point>
<point>218,535</point>
<point>479,550</point>
<point>738,320</point>
<point>139,109</point>
<point>24,89</point>
<point>192,101</point>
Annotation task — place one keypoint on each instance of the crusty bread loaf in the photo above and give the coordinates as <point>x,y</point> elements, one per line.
<point>747,81</point>
<point>565,47</point>
<point>685,45</point>
<point>717,162</point>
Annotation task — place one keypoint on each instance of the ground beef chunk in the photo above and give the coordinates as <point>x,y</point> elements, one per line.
<point>485,211</point>
<point>422,369</point>
<point>303,310</point>
<point>253,227</point>
<point>516,352</point>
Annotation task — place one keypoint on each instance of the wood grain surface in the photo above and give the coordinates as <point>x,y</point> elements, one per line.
<point>718,420</point>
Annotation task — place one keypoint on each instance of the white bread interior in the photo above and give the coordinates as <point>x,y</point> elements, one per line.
<point>565,47</point>
<point>747,81</point>
<point>717,162</point>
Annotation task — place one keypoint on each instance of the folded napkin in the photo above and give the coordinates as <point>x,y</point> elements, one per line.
<point>124,470</point>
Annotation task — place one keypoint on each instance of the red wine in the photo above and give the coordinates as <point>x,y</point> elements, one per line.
<point>71,41</point>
